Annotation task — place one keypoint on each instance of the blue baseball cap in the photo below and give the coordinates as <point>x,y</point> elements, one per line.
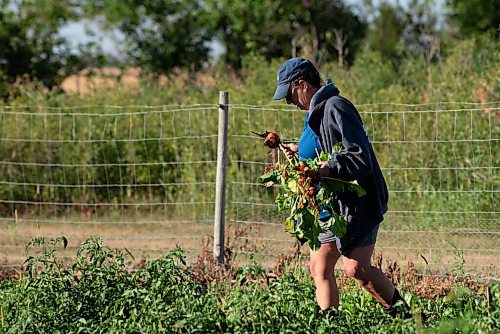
<point>288,72</point>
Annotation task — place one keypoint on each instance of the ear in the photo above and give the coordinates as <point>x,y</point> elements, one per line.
<point>304,84</point>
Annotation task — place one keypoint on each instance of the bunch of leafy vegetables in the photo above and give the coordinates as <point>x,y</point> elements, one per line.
<point>307,196</point>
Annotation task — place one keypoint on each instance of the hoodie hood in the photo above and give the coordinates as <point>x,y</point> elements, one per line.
<point>323,94</point>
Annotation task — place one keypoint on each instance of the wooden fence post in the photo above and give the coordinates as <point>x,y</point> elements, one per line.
<point>220,184</point>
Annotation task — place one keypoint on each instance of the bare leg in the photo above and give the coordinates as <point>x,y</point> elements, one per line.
<point>357,265</point>
<point>322,265</point>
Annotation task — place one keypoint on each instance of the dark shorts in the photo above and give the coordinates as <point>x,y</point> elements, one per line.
<point>327,237</point>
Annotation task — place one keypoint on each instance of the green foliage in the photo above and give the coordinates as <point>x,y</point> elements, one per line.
<point>244,27</point>
<point>122,171</point>
<point>305,196</point>
<point>97,293</point>
<point>473,16</point>
<point>161,35</point>
<point>31,47</point>
<point>421,32</point>
<point>371,73</point>
<point>252,271</point>
<point>326,31</point>
<point>397,31</point>
<point>385,33</point>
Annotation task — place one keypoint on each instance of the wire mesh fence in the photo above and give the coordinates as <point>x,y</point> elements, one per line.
<point>143,178</point>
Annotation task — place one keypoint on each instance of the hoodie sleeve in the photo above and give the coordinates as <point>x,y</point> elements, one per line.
<point>354,160</point>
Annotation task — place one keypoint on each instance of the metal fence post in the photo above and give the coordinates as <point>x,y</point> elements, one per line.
<point>220,184</point>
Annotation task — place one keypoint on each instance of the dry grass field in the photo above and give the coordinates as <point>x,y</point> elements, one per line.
<point>432,251</point>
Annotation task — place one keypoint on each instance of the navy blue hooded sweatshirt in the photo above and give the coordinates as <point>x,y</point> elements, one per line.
<point>334,119</point>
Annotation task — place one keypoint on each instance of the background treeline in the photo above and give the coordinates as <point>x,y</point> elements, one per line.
<point>163,36</point>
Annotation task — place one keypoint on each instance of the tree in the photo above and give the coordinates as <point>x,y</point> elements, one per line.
<point>421,32</point>
<point>474,16</point>
<point>279,28</point>
<point>386,30</point>
<point>244,27</point>
<point>326,30</point>
<point>161,35</point>
<point>30,45</point>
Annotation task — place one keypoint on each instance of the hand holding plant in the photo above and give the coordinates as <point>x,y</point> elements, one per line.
<point>306,193</point>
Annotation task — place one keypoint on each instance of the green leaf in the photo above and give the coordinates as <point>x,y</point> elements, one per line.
<point>332,185</point>
<point>308,217</point>
<point>323,156</point>
<point>337,148</point>
<point>274,177</point>
<point>339,225</point>
<point>284,202</point>
<point>311,229</point>
<point>355,187</point>
<point>297,221</point>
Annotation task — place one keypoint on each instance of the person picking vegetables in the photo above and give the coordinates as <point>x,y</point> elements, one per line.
<point>331,120</point>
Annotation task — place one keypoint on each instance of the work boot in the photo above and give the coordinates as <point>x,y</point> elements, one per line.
<point>398,307</point>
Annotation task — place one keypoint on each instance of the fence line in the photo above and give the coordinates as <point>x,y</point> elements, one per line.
<point>143,177</point>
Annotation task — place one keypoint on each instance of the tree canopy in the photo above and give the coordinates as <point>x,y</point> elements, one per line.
<point>30,44</point>
<point>473,16</point>
<point>163,35</point>
<point>160,35</point>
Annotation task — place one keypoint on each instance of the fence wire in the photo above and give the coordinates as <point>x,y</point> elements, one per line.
<point>143,177</point>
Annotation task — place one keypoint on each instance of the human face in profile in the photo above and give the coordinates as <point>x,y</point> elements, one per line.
<point>297,94</point>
